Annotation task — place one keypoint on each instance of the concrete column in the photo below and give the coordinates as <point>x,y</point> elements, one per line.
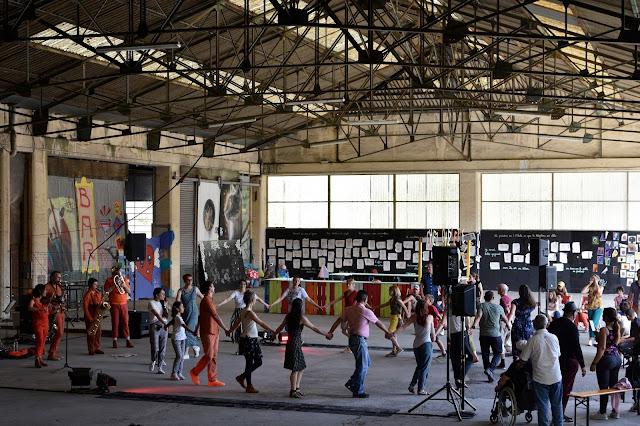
<point>259,221</point>
<point>5,226</point>
<point>38,229</point>
<point>166,217</point>
<point>470,201</point>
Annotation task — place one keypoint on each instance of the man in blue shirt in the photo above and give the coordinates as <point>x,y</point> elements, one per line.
<point>429,287</point>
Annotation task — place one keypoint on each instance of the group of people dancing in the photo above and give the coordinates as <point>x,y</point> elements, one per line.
<point>505,326</point>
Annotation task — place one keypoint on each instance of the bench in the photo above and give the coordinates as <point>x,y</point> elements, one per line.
<point>582,398</point>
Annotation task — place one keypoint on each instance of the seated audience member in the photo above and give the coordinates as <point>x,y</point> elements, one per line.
<point>581,316</point>
<point>620,296</point>
<point>561,291</point>
<point>553,306</point>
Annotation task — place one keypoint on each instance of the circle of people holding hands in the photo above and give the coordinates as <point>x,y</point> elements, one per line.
<point>548,346</point>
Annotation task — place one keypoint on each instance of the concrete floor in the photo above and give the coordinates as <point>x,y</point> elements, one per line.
<point>43,396</point>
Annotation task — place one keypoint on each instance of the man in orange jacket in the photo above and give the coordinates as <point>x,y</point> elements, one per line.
<point>118,295</point>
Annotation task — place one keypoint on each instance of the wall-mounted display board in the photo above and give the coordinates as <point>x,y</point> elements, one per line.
<point>222,263</point>
<point>395,251</point>
<point>613,255</point>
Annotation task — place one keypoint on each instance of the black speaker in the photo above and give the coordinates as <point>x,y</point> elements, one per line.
<point>539,252</point>
<point>463,301</point>
<point>445,265</point>
<point>135,248</point>
<point>83,130</point>
<point>208,148</point>
<point>138,324</point>
<point>548,277</point>
<point>153,140</point>
<point>40,122</point>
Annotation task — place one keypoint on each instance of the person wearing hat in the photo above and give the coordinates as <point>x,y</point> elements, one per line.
<point>570,352</point>
<point>119,291</point>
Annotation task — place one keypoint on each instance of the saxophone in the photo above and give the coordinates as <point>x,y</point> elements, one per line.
<point>104,305</point>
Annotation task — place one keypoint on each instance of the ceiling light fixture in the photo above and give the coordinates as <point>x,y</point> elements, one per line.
<point>370,123</point>
<point>328,143</point>
<point>232,123</point>
<point>137,48</point>
<point>586,139</point>
<point>525,114</point>
<point>314,101</point>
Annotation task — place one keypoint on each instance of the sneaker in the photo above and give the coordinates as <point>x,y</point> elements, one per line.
<point>599,416</point>
<point>614,415</point>
<point>164,363</point>
<point>634,407</point>
<point>502,365</point>
<point>196,351</point>
<point>348,386</point>
<point>160,370</point>
<point>181,376</point>
<point>568,419</point>
<point>186,356</point>
<point>175,377</point>
<point>194,377</point>
<point>412,389</point>
<point>216,383</point>
<point>152,365</point>
<point>361,395</point>
<point>590,342</point>
<point>490,377</point>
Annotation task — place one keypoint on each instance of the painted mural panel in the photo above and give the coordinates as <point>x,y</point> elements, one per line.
<point>208,211</point>
<point>62,222</point>
<point>86,221</point>
<point>230,212</point>
<point>148,275</point>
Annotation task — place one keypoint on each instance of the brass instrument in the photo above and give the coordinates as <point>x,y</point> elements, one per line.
<point>118,282</point>
<point>104,305</point>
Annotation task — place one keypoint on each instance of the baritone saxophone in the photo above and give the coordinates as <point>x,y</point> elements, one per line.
<point>104,305</point>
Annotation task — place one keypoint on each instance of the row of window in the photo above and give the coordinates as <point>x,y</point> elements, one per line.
<point>580,201</point>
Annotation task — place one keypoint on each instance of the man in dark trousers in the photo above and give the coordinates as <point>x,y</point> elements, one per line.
<point>570,352</point>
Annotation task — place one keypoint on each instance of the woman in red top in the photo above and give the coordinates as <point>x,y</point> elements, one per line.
<point>40,322</point>
<point>349,297</point>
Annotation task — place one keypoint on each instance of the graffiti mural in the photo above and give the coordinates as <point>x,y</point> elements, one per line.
<point>62,224</point>
<point>86,221</point>
<point>148,272</point>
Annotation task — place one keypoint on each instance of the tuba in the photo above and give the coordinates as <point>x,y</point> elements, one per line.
<point>104,305</point>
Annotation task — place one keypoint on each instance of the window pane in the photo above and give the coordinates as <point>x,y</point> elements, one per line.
<point>361,215</point>
<point>298,188</point>
<point>433,187</point>
<point>422,215</point>
<point>362,188</point>
<point>590,216</point>
<point>590,187</point>
<point>516,215</point>
<point>634,216</point>
<point>140,219</point>
<point>298,215</point>
<point>634,190</point>
<point>516,187</point>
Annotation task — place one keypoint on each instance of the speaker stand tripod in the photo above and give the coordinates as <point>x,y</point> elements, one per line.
<point>452,395</point>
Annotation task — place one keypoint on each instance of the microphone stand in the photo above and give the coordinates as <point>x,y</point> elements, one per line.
<point>66,333</point>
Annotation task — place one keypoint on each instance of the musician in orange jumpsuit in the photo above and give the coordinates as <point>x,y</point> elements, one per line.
<point>40,322</point>
<point>91,302</point>
<point>52,297</point>
<point>118,300</point>
<point>208,323</point>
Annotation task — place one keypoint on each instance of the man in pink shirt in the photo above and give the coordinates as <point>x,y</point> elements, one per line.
<point>358,318</point>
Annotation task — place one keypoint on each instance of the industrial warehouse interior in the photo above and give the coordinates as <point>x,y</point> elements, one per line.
<point>159,156</point>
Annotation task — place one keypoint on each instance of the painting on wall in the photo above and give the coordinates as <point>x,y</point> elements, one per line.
<point>231,212</point>
<point>148,272</point>
<point>208,211</point>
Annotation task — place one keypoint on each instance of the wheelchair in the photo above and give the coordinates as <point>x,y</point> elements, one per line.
<point>514,398</point>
